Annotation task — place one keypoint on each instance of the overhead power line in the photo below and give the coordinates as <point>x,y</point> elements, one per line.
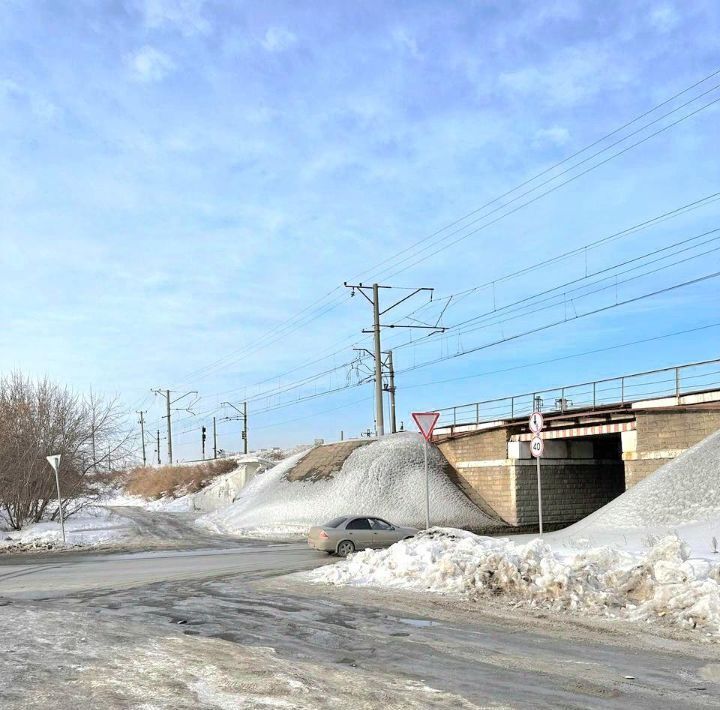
<point>280,329</point>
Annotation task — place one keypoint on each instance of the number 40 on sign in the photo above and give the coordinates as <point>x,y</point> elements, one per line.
<point>537,446</point>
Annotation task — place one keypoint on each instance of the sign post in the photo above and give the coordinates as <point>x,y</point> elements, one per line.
<point>537,446</point>
<point>426,422</point>
<point>54,461</point>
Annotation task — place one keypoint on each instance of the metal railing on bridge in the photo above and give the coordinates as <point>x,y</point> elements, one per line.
<point>675,381</point>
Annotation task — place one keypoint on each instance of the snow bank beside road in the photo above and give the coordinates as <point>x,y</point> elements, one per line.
<point>385,478</point>
<point>661,584</point>
<point>91,526</point>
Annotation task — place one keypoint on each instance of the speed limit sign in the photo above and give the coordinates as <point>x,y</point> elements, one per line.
<point>537,446</point>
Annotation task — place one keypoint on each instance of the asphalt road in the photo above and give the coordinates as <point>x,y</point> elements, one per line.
<point>33,576</point>
<point>109,612</point>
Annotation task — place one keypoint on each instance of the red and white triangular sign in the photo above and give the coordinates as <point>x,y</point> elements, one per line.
<point>426,422</point>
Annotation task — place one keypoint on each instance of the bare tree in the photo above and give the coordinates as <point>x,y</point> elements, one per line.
<point>39,418</point>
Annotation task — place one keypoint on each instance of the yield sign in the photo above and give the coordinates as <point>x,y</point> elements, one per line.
<point>426,422</point>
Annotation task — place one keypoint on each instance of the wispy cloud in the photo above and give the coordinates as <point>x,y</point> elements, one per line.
<point>278,39</point>
<point>186,16</point>
<point>150,64</point>
<point>664,17</point>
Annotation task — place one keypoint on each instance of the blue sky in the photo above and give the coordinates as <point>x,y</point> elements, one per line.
<point>180,178</point>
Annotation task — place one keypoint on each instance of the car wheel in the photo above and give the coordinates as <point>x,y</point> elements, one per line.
<point>345,548</point>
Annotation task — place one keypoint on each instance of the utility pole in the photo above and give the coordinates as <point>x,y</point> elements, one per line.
<point>380,419</point>
<point>157,449</point>
<point>241,415</point>
<point>168,402</point>
<point>169,426</point>
<point>391,390</point>
<point>142,436</point>
<point>388,366</point>
<point>374,301</point>
<point>214,438</point>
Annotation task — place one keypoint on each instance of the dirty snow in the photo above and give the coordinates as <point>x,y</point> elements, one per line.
<point>385,478</point>
<point>93,525</point>
<point>660,584</point>
<point>63,659</point>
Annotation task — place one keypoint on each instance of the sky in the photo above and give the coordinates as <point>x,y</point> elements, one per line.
<point>186,185</point>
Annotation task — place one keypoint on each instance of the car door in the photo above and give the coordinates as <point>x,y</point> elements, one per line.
<point>384,534</point>
<point>359,531</point>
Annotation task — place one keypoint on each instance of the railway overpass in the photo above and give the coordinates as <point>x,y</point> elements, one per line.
<point>601,437</point>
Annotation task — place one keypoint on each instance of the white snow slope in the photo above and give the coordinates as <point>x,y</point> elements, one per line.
<point>385,478</point>
<point>682,497</point>
<point>661,585</point>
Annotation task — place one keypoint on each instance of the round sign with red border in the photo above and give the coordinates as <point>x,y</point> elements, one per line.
<point>537,446</point>
<point>536,422</point>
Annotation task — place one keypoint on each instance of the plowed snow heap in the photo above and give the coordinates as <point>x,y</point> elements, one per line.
<point>385,478</point>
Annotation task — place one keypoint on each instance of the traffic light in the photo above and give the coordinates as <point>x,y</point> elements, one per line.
<point>204,433</point>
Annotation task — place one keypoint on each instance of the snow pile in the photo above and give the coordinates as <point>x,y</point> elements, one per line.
<point>662,583</point>
<point>385,478</point>
<point>685,490</point>
<point>92,525</point>
<point>682,497</point>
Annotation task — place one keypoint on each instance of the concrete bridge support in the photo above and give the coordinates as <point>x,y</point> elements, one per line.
<point>590,458</point>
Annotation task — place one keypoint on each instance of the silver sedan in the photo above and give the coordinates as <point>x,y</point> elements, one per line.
<point>349,533</point>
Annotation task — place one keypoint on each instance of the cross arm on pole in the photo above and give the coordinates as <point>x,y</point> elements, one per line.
<point>405,298</point>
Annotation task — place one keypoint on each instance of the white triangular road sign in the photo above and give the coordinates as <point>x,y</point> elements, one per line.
<point>426,422</point>
<point>54,461</point>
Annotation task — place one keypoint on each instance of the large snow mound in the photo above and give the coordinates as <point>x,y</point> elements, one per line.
<point>385,478</point>
<point>685,490</point>
<point>662,583</point>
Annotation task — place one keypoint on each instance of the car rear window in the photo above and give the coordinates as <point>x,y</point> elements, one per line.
<point>335,522</point>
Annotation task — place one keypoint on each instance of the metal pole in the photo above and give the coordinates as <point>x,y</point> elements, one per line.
<point>158,446</point>
<point>342,435</point>
<point>427,489</point>
<point>539,487</point>
<point>202,438</point>
<point>214,439</point>
<point>677,384</point>
<point>57,484</point>
<point>379,419</point>
<point>391,376</point>
<point>245,432</point>
<point>142,436</point>
<point>169,427</point>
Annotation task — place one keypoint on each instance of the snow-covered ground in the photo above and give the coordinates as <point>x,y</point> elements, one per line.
<point>93,525</point>
<point>385,478</point>
<point>648,555</point>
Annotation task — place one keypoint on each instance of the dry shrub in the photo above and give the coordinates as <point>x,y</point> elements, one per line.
<point>160,481</point>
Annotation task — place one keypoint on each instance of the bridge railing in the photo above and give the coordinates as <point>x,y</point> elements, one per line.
<point>638,386</point>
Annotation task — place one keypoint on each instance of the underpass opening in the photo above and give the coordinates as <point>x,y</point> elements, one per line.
<point>579,476</point>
